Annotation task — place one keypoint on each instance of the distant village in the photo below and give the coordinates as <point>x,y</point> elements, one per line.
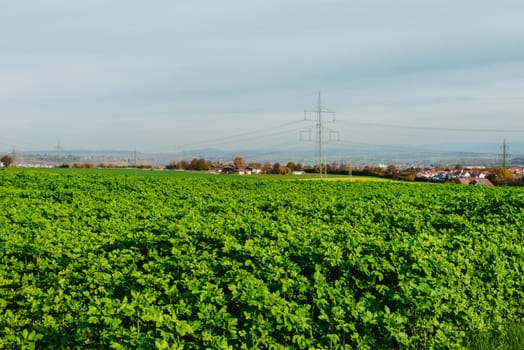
<point>466,175</point>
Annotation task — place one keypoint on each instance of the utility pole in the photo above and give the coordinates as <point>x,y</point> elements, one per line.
<point>504,162</point>
<point>14,157</point>
<point>320,131</point>
<point>350,167</point>
<point>135,161</point>
<point>59,153</point>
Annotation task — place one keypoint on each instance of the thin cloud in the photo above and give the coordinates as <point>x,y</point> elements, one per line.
<point>114,70</point>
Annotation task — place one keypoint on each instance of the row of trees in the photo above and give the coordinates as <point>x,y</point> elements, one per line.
<point>498,176</point>
<point>239,163</point>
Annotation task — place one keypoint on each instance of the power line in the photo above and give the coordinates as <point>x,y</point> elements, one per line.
<point>27,146</point>
<point>252,134</point>
<point>437,128</point>
<point>269,152</point>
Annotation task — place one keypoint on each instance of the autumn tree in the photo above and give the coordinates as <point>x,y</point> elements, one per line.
<point>344,169</point>
<point>391,171</point>
<point>276,168</point>
<point>199,164</point>
<point>284,170</point>
<point>267,168</point>
<point>183,164</point>
<point>239,162</point>
<point>6,160</point>
<point>501,176</point>
<point>172,165</point>
<point>409,174</point>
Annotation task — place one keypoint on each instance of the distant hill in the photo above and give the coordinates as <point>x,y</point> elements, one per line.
<point>488,154</point>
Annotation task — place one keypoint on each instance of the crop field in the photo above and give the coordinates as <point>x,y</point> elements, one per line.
<point>117,171</point>
<point>192,174</point>
<point>96,260</point>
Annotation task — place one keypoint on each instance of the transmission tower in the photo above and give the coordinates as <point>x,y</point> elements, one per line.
<point>320,132</point>
<point>14,157</point>
<point>135,162</point>
<point>504,160</point>
<point>59,153</point>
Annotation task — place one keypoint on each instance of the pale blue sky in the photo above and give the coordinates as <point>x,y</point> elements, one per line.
<point>171,75</point>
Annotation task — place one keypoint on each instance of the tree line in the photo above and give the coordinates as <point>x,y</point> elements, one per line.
<point>238,163</point>
<point>497,175</point>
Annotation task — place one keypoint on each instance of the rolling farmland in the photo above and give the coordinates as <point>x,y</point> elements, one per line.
<point>105,261</point>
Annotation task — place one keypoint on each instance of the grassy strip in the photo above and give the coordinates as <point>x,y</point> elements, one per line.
<point>507,337</point>
<point>191,174</point>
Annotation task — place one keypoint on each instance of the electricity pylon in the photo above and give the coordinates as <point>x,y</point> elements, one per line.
<point>59,153</point>
<point>504,160</point>
<point>320,132</point>
<point>14,157</point>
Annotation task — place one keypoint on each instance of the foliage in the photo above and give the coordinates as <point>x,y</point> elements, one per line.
<point>501,176</point>
<point>239,162</point>
<point>6,160</point>
<point>199,164</point>
<point>103,261</point>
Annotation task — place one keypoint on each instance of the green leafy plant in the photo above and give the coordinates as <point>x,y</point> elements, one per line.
<point>106,261</point>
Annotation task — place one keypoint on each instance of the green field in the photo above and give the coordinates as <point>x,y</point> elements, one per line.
<point>92,258</point>
<point>113,171</point>
<point>186,174</point>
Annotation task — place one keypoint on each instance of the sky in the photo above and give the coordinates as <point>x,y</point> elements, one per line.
<point>163,76</point>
